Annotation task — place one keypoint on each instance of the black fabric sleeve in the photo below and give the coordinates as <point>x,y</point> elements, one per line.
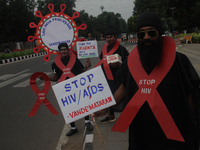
<point>54,67</point>
<point>123,52</point>
<point>192,81</point>
<point>79,66</point>
<point>123,72</point>
<point>100,56</point>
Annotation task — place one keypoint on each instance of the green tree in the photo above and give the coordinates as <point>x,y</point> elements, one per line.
<point>132,24</point>
<point>196,14</point>
<point>16,17</point>
<point>3,20</point>
<point>83,18</point>
<point>109,20</point>
<point>97,25</point>
<point>186,14</point>
<point>43,6</point>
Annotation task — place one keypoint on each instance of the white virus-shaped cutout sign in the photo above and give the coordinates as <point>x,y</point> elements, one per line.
<point>55,28</point>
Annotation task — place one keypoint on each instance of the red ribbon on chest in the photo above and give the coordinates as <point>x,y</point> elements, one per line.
<point>41,94</point>
<point>66,69</point>
<point>104,59</point>
<point>147,92</point>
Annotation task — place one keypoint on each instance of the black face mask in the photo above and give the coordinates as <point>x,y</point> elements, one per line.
<point>150,55</point>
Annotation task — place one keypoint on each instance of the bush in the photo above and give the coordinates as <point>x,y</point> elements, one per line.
<point>17,54</point>
<point>195,37</point>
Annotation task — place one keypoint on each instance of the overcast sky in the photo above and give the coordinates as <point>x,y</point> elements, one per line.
<point>92,7</point>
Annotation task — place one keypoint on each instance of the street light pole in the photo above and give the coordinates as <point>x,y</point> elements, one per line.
<point>172,8</point>
<point>102,7</point>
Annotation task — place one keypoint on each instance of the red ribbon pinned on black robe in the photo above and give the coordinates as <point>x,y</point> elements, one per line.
<point>104,59</point>
<point>147,92</point>
<point>66,69</point>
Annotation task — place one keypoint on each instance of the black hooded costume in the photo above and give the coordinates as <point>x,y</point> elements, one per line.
<point>181,82</point>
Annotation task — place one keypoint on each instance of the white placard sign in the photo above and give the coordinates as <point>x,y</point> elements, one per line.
<point>87,49</point>
<point>57,30</point>
<point>83,94</point>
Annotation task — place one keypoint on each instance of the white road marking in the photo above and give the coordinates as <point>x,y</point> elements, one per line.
<point>27,82</point>
<point>12,80</point>
<point>7,76</point>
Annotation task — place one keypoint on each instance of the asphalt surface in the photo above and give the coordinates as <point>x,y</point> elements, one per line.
<point>84,139</point>
<point>45,131</point>
<point>108,140</point>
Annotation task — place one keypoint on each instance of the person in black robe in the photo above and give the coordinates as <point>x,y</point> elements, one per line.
<point>76,69</point>
<point>113,84</point>
<point>179,90</point>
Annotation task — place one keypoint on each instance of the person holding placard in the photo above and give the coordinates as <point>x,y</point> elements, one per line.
<point>110,68</point>
<point>65,66</point>
<point>161,90</point>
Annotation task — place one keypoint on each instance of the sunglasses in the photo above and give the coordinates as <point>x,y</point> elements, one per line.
<point>151,33</point>
<point>63,49</point>
<point>109,37</point>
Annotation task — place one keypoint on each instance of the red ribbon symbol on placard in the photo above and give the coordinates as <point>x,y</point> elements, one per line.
<point>41,94</point>
<point>66,69</point>
<point>147,92</point>
<point>104,59</point>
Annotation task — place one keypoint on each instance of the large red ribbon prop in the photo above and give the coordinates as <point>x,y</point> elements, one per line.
<point>104,59</point>
<point>66,69</point>
<point>147,92</point>
<point>41,94</point>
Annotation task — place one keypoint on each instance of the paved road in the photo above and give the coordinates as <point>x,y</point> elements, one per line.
<point>43,131</point>
<point>18,131</point>
<point>76,141</point>
<point>115,140</point>
<point>192,51</point>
